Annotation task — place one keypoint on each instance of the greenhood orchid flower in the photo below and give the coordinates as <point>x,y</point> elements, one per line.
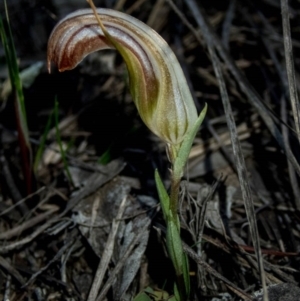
<point>157,83</point>
<point>159,91</point>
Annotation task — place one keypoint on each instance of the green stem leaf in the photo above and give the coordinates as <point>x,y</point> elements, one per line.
<point>186,146</point>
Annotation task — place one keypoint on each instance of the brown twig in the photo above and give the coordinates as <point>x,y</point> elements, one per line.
<point>26,225</point>
<point>11,270</point>
<point>290,68</point>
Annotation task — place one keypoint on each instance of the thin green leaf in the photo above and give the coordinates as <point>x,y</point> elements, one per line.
<point>105,158</point>
<point>178,258</point>
<point>176,296</point>
<point>163,195</point>
<point>16,84</point>
<point>12,62</point>
<point>186,145</point>
<point>142,297</point>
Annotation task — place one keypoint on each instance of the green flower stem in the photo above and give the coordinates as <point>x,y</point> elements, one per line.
<point>173,150</point>
<point>178,156</point>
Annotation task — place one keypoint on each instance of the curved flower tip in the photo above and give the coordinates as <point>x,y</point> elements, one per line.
<point>157,83</point>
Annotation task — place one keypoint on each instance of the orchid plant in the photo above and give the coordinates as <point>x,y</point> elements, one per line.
<point>159,91</point>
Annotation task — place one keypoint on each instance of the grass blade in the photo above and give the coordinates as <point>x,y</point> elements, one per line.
<point>59,142</point>
<point>20,112</point>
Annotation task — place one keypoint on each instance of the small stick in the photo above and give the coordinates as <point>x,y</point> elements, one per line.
<point>290,68</point>
<point>22,201</point>
<point>26,225</point>
<point>11,270</point>
<point>7,288</point>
